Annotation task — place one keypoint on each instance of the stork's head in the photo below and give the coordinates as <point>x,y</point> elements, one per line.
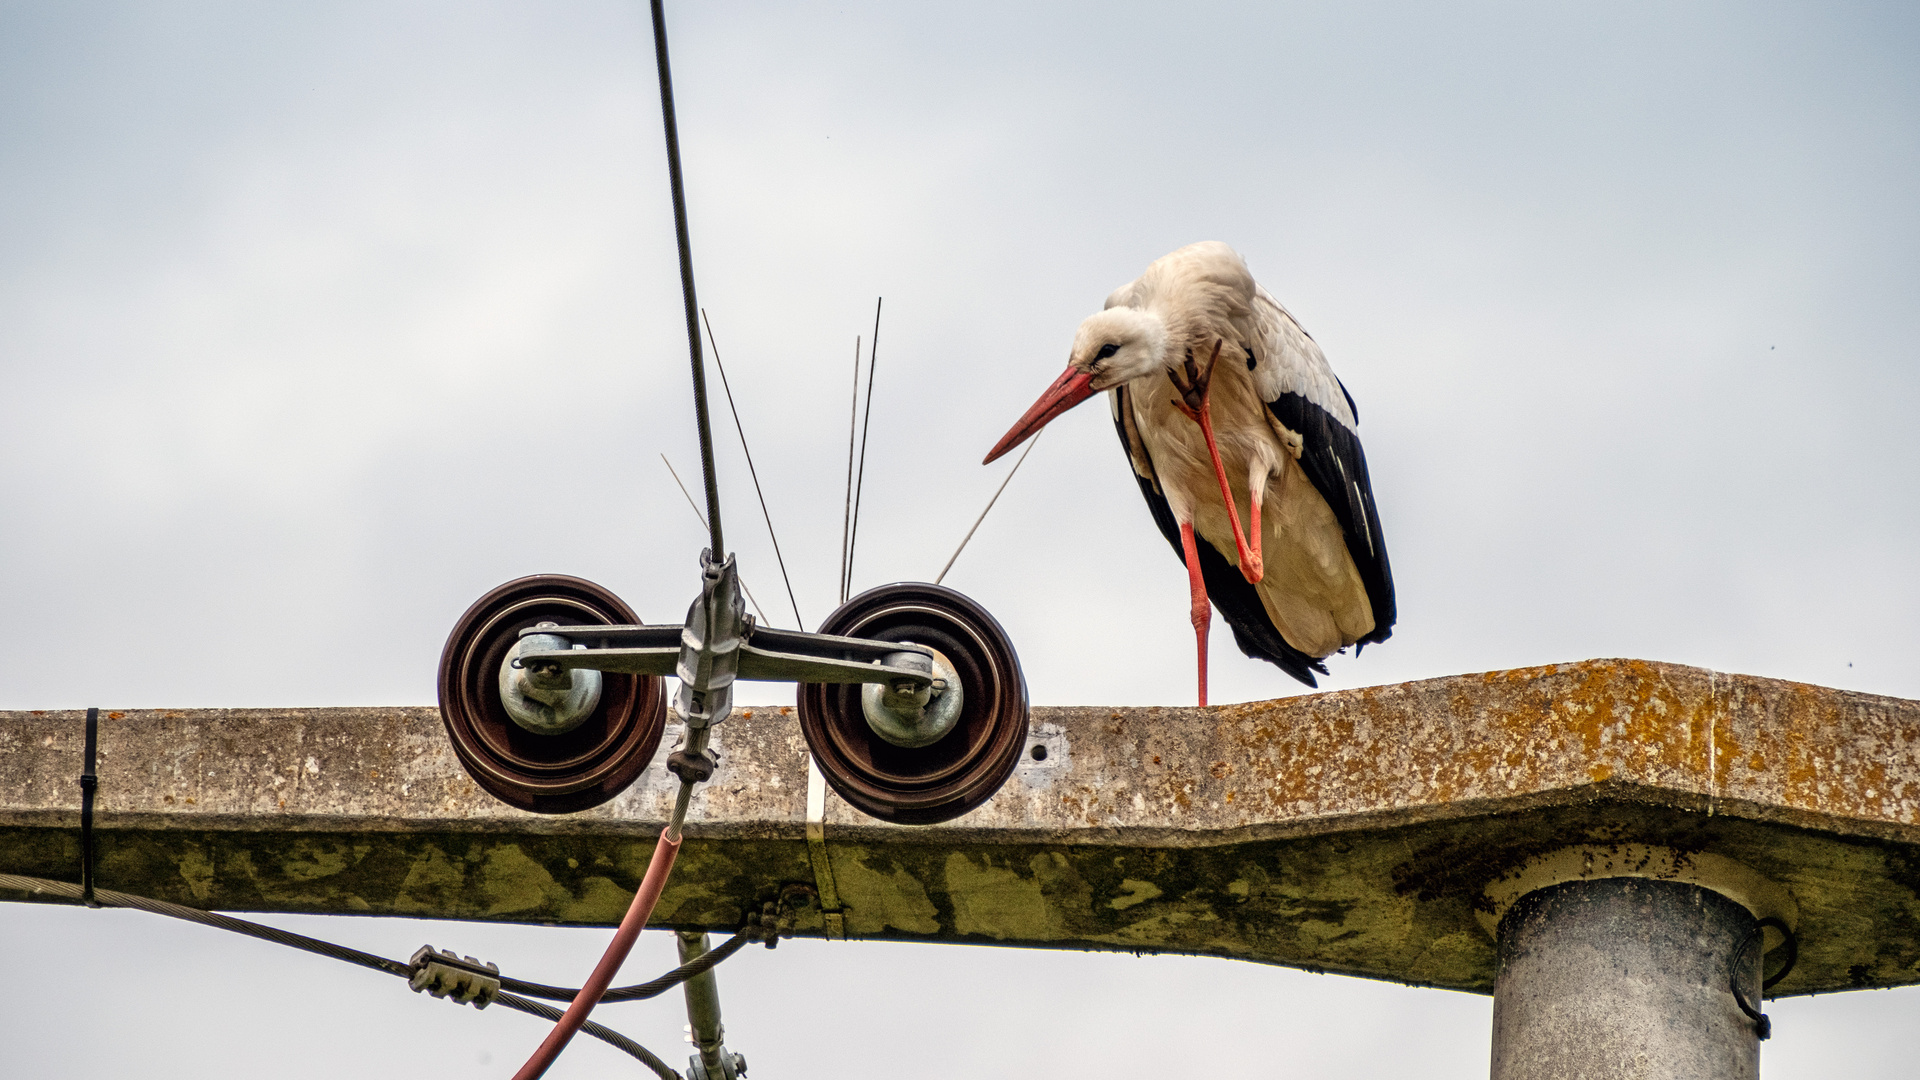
<point>1115,346</point>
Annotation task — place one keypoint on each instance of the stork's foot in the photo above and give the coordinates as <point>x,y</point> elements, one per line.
<point>1252,566</point>
<point>1195,386</point>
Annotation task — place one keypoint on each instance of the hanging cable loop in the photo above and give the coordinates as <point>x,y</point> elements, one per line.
<point>1762,1024</point>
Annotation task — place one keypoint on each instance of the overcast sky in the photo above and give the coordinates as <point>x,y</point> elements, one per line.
<point>318,321</point>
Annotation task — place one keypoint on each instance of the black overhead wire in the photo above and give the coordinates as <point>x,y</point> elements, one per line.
<point>604,1034</point>
<point>638,992</point>
<point>686,280</point>
<point>641,991</point>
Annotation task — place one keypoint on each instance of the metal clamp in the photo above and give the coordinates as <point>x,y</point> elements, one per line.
<point>444,975</point>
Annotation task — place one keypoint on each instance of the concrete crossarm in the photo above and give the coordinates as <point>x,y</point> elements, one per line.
<point>1350,831</point>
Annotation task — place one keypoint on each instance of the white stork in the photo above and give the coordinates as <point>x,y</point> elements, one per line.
<point>1218,394</point>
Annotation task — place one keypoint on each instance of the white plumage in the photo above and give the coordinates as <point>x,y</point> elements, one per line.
<point>1195,348</point>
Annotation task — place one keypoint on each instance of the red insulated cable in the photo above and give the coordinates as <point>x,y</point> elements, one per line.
<point>636,920</point>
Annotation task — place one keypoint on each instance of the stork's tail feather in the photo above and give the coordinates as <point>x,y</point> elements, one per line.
<point>1286,657</point>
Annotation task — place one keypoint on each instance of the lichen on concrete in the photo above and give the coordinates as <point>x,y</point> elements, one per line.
<point>1350,831</point>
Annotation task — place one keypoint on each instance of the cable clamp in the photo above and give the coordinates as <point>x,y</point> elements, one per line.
<point>466,980</point>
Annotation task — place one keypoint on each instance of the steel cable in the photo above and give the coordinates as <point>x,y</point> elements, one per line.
<point>604,1034</point>
<point>637,992</point>
<point>110,898</point>
<point>685,246</point>
<point>641,991</point>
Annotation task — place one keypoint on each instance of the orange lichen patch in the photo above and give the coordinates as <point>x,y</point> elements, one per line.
<point>1837,754</point>
<point>1499,734</point>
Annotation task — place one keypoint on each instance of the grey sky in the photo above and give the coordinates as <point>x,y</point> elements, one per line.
<point>317,322</point>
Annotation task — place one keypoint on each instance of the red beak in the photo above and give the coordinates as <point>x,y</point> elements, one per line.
<point>1070,389</point>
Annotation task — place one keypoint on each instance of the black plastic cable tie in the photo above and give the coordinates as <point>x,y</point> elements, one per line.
<point>89,782</point>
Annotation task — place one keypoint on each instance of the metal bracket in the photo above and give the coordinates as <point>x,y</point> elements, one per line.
<point>764,654</point>
<point>830,910</point>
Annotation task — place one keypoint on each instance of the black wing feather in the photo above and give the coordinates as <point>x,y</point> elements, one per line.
<point>1236,600</point>
<point>1331,457</point>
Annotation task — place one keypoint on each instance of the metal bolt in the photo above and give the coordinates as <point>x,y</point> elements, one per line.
<point>910,716</point>
<point>546,698</point>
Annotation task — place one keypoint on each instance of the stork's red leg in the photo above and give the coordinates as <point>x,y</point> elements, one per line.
<point>1256,562</point>
<point>1202,610</point>
<point>1252,566</point>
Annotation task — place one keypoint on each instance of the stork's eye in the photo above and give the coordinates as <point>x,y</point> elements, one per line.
<point>1106,350</point>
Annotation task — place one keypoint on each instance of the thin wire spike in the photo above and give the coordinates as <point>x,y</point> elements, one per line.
<point>702,519</point>
<point>728,387</point>
<point>990,502</point>
<point>873,357</point>
<point>846,514</point>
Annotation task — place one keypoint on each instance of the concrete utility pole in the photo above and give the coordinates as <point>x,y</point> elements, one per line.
<point>1598,844</point>
<point>1624,977</point>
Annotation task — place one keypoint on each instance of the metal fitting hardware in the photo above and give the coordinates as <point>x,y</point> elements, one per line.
<point>692,767</point>
<point>732,1065</point>
<point>541,696</point>
<point>704,1029</point>
<point>910,714</point>
<point>775,917</point>
<point>719,644</point>
<point>709,658</point>
<point>466,980</point>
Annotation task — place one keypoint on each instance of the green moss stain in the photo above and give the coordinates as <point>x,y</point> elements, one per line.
<point>998,901</point>
<point>1134,891</point>
<point>882,895</point>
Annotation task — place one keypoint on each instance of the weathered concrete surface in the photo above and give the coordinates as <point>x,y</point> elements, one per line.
<point>1625,979</point>
<point>1347,831</point>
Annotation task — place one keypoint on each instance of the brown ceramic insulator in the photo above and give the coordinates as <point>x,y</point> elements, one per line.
<point>547,774</point>
<point>928,784</point>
